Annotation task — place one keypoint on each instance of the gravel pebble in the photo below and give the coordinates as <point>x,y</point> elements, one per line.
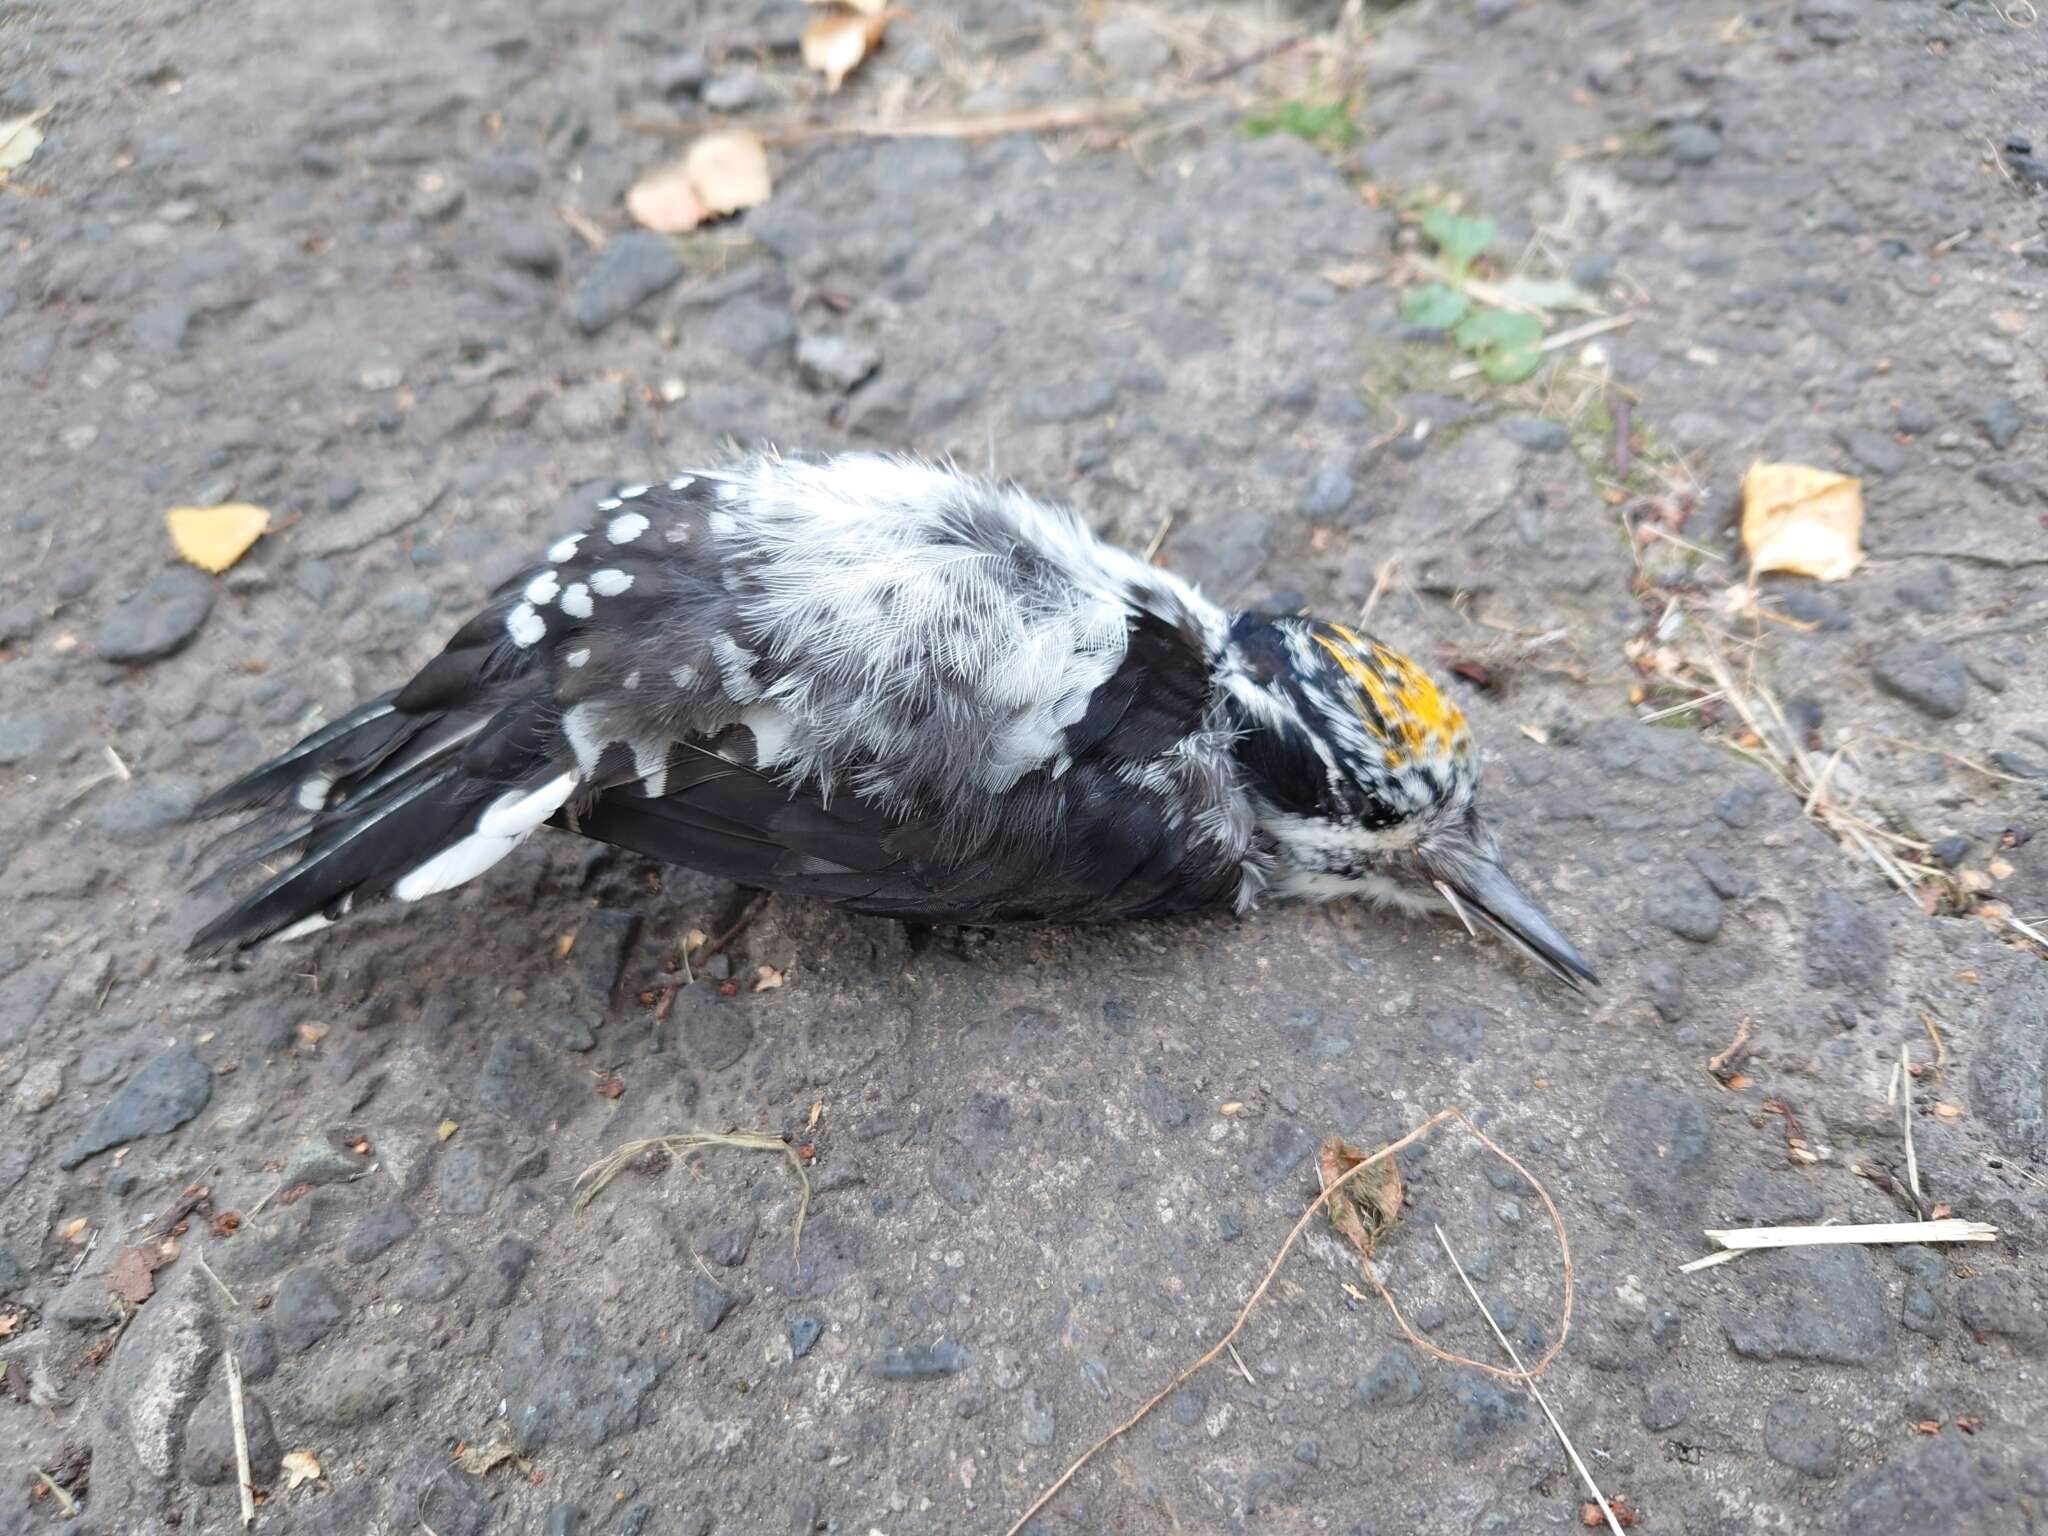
<point>1130,49</point>
<point>308,1307</point>
<point>629,271</point>
<point>39,1087</point>
<point>1800,1434</point>
<point>210,1440</point>
<point>160,620</point>
<point>734,92</point>
<point>834,364</point>
<point>161,1097</point>
<point>945,1358</point>
<point>1927,675</point>
<point>380,1229</point>
<point>1329,493</point>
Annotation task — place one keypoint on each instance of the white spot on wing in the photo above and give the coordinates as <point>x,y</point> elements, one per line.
<point>564,549</point>
<point>525,626</point>
<point>678,533</point>
<point>542,588</point>
<point>609,504</point>
<point>650,766</point>
<point>302,927</point>
<point>631,680</point>
<point>772,731</point>
<point>576,600</point>
<point>626,527</point>
<point>579,729</point>
<point>610,581</point>
<point>684,677</point>
<point>577,657</point>
<point>631,492</point>
<point>453,865</point>
<point>682,482</point>
<point>313,792</point>
<point>518,812</point>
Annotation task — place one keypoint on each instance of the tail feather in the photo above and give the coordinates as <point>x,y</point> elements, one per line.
<point>363,734</point>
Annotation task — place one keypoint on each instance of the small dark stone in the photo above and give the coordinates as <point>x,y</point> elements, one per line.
<point>1916,420</point>
<point>566,1520</point>
<point>604,940</point>
<point>1932,590</point>
<point>2000,422</point>
<point>570,1034</point>
<point>1665,1406</point>
<point>1035,1412</point>
<point>1165,1108</point>
<point>161,1097</point>
<point>1277,1152</point>
<point>2002,1305</point>
<point>1820,1304</point>
<point>944,1358</point>
<point>1948,1485</point>
<point>1845,947</point>
<point>529,245</point>
<point>256,1349</point>
<point>1809,608</point>
<point>379,1230</point>
<point>803,1333</point>
<point>158,621</point>
<point>1873,452</point>
<point>435,1275</point>
<point>630,270</point>
<point>682,74</point>
<point>734,92</point>
<point>1692,143</point>
<point>1489,13</point>
<point>504,174</point>
<point>710,1302</point>
<point>1952,850</point>
<point>307,1309</point>
<point>716,1031</point>
<point>1799,1434</point>
<point>1074,402</point>
<point>1685,904</point>
<point>210,1439</point>
<point>1921,1310</point>
<point>1328,494</point>
<point>1536,433</point>
<point>466,1175</point>
<point>1483,1411</point>
<point>1827,21</point>
<point>1737,808</point>
<point>1393,1382</point>
<point>1926,675</point>
<point>516,1083</point>
<point>508,1266</point>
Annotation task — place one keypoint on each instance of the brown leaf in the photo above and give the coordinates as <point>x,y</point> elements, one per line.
<point>226,1224</point>
<point>214,538</point>
<point>730,171</point>
<point>1947,1113</point>
<point>300,1467</point>
<point>446,1129</point>
<point>1367,1207</point>
<point>72,1231</point>
<point>1927,1426</point>
<point>312,1033</point>
<point>835,45</point>
<point>1800,519</point>
<point>817,1109</point>
<point>611,1086</point>
<point>477,1460</point>
<point>10,1323</point>
<point>132,1275</point>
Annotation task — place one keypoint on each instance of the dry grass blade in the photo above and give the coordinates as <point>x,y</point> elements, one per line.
<point>1740,1239</point>
<point>1906,1120</point>
<point>238,1420</point>
<point>984,125</point>
<point>600,1173</point>
<point>1542,1402</point>
<point>57,1492</point>
<point>1229,1338</point>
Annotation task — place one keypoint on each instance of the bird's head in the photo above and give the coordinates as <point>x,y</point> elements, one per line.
<point>1366,781</point>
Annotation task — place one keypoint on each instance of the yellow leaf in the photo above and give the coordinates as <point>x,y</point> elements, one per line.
<point>19,139</point>
<point>835,45</point>
<point>214,538</point>
<point>312,1033</point>
<point>300,1467</point>
<point>1800,519</point>
<point>446,1129</point>
<point>73,1230</point>
<point>767,978</point>
<point>729,171</point>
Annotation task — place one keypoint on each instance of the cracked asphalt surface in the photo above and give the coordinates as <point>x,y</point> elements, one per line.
<point>340,265</point>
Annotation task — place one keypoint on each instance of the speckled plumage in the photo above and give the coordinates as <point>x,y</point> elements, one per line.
<point>887,685</point>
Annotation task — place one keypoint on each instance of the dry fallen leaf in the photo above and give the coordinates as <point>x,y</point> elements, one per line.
<point>865,7</point>
<point>300,1467</point>
<point>1367,1207</point>
<point>767,978</point>
<point>446,1129</point>
<point>1800,519</point>
<point>477,1460</point>
<point>730,171</point>
<point>817,1109</point>
<point>1927,1426</point>
<point>611,1085</point>
<point>19,139</point>
<point>132,1275</point>
<point>214,538</point>
<point>73,1230</point>
<point>1947,1112</point>
<point>1348,276</point>
<point>835,45</point>
<point>312,1033</point>
<point>10,1322</point>
<point>721,174</point>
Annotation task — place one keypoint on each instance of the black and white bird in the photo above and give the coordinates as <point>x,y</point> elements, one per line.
<point>887,685</point>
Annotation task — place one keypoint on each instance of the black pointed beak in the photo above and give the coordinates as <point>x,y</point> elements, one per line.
<point>1477,887</point>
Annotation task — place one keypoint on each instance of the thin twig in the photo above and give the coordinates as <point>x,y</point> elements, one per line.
<point>1680,709</point>
<point>239,1419</point>
<point>207,1270</point>
<point>1244,61</point>
<point>980,125</point>
<point>1382,580</point>
<point>1159,539</point>
<point>1572,337</point>
<point>717,945</point>
<point>1542,1402</point>
<point>1287,1246</point>
<point>1906,1119</point>
<point>1242,1369</point>
<point>58,1492</point>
